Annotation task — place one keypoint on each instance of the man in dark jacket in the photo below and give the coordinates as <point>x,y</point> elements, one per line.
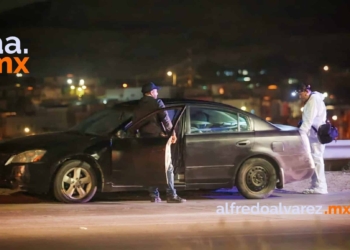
<point>156,126</point>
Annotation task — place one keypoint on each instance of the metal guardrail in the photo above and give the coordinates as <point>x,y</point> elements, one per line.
<point>337,150</point>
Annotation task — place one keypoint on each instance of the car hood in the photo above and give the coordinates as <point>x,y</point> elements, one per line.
<point>44,141</point>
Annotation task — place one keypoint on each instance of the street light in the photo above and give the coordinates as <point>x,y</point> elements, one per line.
<point>169,73</point>
<point>323,76</point>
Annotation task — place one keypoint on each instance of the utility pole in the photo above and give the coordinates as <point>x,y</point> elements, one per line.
<point>190,68</point>
<point>137,80</point>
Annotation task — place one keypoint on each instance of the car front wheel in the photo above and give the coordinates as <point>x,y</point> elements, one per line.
<point>256,179</point>
<point>75,182</point>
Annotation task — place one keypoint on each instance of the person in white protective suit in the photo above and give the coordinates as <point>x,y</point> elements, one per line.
<point>314,115</point>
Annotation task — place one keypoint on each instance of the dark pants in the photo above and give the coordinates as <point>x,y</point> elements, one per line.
<point>153,191</point>
<point>170,191</point>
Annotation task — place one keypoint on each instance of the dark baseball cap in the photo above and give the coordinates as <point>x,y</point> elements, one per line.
<point>302,87</point>
<point>148,87</point>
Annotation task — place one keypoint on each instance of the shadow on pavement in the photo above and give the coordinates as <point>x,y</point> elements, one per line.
<point>220,194</point>
<point>281,191</point>
<point>189,195</point>
<point>21,198</point>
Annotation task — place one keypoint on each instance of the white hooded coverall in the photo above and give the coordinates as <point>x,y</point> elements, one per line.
<point>315,114</point>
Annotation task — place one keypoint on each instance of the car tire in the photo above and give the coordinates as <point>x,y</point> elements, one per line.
<point>75,182</point>
<point>256,179</point>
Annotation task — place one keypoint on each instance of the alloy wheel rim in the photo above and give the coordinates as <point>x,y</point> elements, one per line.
<point>76,183</point>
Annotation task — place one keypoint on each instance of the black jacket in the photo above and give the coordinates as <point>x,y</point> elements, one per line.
<point>155,124</point>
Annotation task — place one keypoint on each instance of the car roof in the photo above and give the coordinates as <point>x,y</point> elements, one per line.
<point>264,125</point>
<point>175,101</point>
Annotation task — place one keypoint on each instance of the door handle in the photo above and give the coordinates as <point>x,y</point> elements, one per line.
<point>243,143</point>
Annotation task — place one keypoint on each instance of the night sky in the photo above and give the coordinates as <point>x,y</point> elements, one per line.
<point>138,37</point>
<point>11,4</point>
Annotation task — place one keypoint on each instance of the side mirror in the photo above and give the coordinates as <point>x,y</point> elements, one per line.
<point>121,134</point>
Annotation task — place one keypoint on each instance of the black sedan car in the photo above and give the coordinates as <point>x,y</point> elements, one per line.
<point>219,146</point>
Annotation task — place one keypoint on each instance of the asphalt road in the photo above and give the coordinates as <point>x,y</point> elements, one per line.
<point>129,221</point>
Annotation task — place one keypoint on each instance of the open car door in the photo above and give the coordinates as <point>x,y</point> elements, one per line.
<point>141,160</point>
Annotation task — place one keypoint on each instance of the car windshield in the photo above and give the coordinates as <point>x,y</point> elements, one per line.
<point>103,122</point>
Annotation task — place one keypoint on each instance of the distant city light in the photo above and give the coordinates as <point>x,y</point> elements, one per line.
<point>72,87</point>
<point>30,88</point>
<point>104,101</point>
<point>293,93</point>
<point>81,82</point>
<point>325,94</point>
<point>244,108</point>
<point>228,73</point>
<point>26,130</point>
<point>326,68</point>
<point>18,85</point>
<point>268,119</point>
<point>292,80</point>
<point>84,87</point>
<point>245,72</point>
<point>69,81</point>
<point>169,73</point>
<point>19,75</point>
<point>272,87</point>
<point>80,89</point>
<point>125,85</point>
<point>246,79</point>
<point>221,91</point>
<point>334,117</point>
<point>252,111</point>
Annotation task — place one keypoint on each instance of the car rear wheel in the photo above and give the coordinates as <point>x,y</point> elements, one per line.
<point>75,182</point>
<point>256,179</point>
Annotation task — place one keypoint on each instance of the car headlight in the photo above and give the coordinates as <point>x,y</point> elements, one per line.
<point>27,156</point>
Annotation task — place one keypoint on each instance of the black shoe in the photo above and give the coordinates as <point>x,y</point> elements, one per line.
<point>175,199</point>
<point>156,199</point>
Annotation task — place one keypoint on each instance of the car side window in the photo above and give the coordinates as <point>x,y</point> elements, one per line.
<point>143,124</point>
<point>243,123</point>
<point>217,121</point>
<point>102,122</point>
